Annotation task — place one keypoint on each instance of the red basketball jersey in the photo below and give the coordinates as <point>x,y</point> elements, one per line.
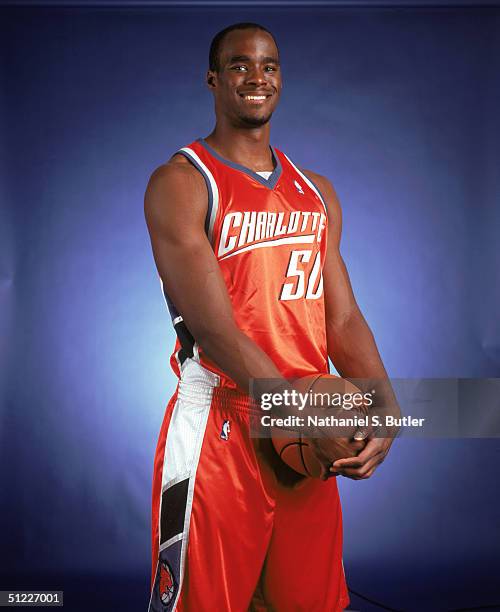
<point>270,239</point>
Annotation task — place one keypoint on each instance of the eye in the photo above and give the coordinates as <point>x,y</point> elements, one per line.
<point>239,67</point>
<point>270,68</point>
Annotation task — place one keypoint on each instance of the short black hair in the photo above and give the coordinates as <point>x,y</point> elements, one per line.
<point>218,39</point>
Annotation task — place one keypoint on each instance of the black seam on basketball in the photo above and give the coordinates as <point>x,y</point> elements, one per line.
<point>312,384</point>
<point>301,444</point>
<point>292,444</point>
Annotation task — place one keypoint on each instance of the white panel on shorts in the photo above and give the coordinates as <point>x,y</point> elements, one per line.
<point>188,422</point>
<point>185,435</point>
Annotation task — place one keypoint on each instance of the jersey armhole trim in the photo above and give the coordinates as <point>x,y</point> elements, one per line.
<point>213,191</point>
<point>310,183</point>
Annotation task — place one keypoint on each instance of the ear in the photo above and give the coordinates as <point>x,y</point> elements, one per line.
<point>211,79</point>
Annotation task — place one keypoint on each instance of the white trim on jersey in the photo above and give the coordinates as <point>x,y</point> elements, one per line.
<point>308,181</point>
<point>215,190</point>
<point>270,243</point>
<point>163,292</point>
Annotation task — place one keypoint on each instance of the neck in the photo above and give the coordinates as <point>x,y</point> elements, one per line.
<point>249,148</point>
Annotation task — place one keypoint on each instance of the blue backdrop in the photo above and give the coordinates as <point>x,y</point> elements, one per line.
<point>399,108</point>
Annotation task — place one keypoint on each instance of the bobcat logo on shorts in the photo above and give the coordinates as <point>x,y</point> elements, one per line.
<point>167,585</point>
<point>225,431</point>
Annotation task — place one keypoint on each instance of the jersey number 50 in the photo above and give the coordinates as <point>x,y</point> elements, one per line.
<point>312,287</point>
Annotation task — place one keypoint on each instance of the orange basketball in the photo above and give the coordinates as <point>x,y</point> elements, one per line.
<point>295,450</point>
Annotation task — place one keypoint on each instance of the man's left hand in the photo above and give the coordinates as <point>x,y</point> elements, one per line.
<point>363,466</point>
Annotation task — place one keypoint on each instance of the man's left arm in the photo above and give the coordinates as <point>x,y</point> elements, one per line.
<point>351,345</point>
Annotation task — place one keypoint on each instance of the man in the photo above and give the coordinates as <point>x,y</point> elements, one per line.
<point>247,249</point>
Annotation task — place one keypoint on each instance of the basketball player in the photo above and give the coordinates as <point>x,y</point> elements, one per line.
<point>247,248</point>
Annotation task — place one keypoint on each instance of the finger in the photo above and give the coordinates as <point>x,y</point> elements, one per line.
<point>368,475</point>
<point>371,449</point>
<point>370,471</point>
<point>328,474</point>
<point>365,471</point>
<point>362,469</point>
<point>363,433</point>
<point>357,445</point>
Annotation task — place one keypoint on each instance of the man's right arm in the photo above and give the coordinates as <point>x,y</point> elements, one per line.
<point>175,207</point>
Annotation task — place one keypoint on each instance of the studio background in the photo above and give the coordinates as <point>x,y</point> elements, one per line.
<point>399,108</point>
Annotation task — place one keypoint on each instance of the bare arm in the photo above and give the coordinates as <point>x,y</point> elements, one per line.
<point>175,207</point>
<point>351,345</point>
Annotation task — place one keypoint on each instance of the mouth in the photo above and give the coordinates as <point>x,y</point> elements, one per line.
<point>255,98</point>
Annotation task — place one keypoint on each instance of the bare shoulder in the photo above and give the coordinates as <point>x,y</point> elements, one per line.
<point>177,172</point>
<point>175,188</point>
<point>327,190</point>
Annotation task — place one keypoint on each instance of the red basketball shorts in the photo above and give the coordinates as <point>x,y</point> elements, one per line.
<point>232,531</point>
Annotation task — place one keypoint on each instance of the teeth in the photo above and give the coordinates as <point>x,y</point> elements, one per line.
<point>255,97</point>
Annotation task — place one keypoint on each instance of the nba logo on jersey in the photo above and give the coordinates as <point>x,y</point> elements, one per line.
<point>269,236</point>
<point>226,429</point>
<point>299,187</point>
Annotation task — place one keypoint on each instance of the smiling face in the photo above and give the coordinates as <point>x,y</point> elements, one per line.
<point>247,85</point>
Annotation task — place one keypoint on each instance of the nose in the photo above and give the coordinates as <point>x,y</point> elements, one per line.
<point>256,76</point>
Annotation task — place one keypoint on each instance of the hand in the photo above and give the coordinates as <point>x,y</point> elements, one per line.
<point>332,443</point>
<point>336,447</point>
<point>363,466</point>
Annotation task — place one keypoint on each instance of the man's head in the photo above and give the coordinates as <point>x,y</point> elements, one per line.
<point>244,74</point>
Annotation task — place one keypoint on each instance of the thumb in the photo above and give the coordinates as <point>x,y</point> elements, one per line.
<point>362,433</point>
